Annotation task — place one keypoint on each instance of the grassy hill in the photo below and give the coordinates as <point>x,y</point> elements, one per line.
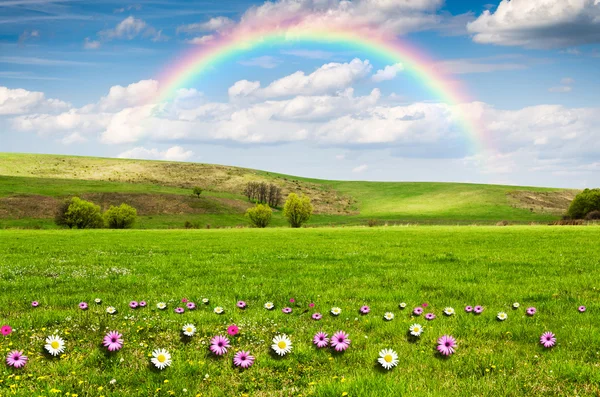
<point>31,187</point>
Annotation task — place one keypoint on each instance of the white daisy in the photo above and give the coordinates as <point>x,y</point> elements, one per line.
<point>415,330</point>
<point>282,345</point>
<point>189,330</point>
<point>111,310</point>
<point>388,358</point>
<point>205,301</point>
<point>449,311</point>
<point>389,316</point>
<point>269,305</point>
<point>55,345</point>
<point>219,310</point>
<point>402,305</point>
<point>98,301</point>
<point>502,316</point>
<point>336,311</point>
<point>516,305</point>
<point>161,358</point>
<point>161,305</point>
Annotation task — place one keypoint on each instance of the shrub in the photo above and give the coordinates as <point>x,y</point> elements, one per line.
<point>79,214</point>
<point>192,225</point>
<point>584,203</point>
<point>197,191</point>
<point>502,223</point>
<point>260,216</point>
<point>297,210</point>
<point>121,217</point>
<point>593,216</point>
<point>373,222</point>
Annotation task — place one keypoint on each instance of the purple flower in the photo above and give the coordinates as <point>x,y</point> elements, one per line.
<point>83,306</point>
<point>243,359</point>
<point>478,309</point>
<point>311,305</point>
<point>219,345</point>
<point>317,316</point>
<point>292,300</point>
<point>35,303</point>
<point>417,311</point>
<point>190,305</point>
<point>287,310</point>
<point>184,300</point>
<point>425,304</point>
<point>6,330</point>
<point>233,330</point>
<point>241,304</point>
<point>179,310</point>
<point>340,341</point>
<point>321,340</point>
<point>581,309</point>
<point>531,311</point>
<point>548,339</point>
<point>16,359</point>
<point>429,316</point>
<point>469,309</point>
<point>446,345</point>
<point>113,341</point>
<point>143,304</point>
<point>365,309</point>
<point>133,304</point>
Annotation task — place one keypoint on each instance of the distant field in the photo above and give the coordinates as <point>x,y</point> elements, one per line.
<point>31,187</point>
<point>552,269</point>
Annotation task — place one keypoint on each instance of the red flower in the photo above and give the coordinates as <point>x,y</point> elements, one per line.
<point>233,330</point>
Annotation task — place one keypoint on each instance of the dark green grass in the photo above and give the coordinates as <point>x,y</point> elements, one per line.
<point>554,269</point>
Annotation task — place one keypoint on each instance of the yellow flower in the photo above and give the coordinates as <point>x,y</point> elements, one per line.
<point>166,381</point>
<point>100,388</point>
<point>344,394</point>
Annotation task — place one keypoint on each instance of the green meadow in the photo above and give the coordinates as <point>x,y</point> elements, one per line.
<point>554,269</point>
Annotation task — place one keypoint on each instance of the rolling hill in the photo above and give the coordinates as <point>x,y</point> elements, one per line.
<point>32,186</point>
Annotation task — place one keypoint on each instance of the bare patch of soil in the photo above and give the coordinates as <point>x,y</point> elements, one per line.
<point>552,202</point>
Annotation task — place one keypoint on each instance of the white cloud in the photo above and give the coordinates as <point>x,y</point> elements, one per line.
<point>134,94</point>
<point>539,23</point>
<point>175,153</point>
<point>265,62</point>
<point>243,88</point>
<point>468,66</point>
<point>89,44</point>
<point>387,73</point>
<point>129,29</point>
<point>200,40</point>
<point>20,101</point>
<point>560,89</point>
<point>360,168</point>
<point>214,24</point>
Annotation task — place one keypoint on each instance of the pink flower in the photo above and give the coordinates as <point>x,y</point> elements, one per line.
<point>478,309</point>
<point>417,311</point>
<point>83,306</point>
<point>113,341</point>
<point>429,316</point>
<point>233,330</point>
<point>317,316</point>
<point>6,330</point>
<point>292,300</point>
<point>365,310</point>
<point>190,305</point>
<point>446,345</point>
<point>340,341</point>
<point>531,311</point>
<point>179,310</point>
<point>35,303</point>
<point>425,304</point>
<point>311,305</point>
<point>219,345</point>
<point>581,309</point>
<point>469,309</point>
<point>243,359</point>
<point>133,304</point>
<point>143,304</point>
<point>321,340</point>
<point>287,310</point>
<point>184,300</point>
<point>548,339</point>
<point>16,359</point>
<point>241,304</point>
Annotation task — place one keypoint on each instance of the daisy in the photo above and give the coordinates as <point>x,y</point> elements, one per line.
<point>189,330</point>
<point>365,309</point>
<point>190,305</point>
<point>282,345</point>
<point>179,310</point>
<point>133,304</point>
<point>548,339</point>
<point>531,311</point>
<point>243,359</point>
<point>241,304</point>
<point>35,303</point>
<point>402,305</point>
<point>446,345</point>
<point>449,311</point>
<point>287,310</point>
<point>113,341</point>
<point>111,310</point>
<point>6,330</point>
<point>389,316</point>
<point>269,305</point>
<point>502,316</point>
<point>161,305</point>
<point>98,301</point>
<point>415,330</point>
<point>516,305</point>
<point>321,340</point>
<point>219,345</point>
<point>16,359</point>
<point>417,311</point>
<point>478,309</point>
<point>336,311</point>
<point>143,304</point>
<point>161,358</point>
<point>218,310</point>
<point>388,358</point>
<point>55,345</point>
<point>233,330</point>
<point>83,306</point>
<point>429,316</point>
<point>317,316</point>
<point>205,301</point>
<point>581,309</point>
<point>469,309</point>
<point>340,341</point>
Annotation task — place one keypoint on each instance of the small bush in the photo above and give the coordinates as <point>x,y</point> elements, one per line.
<point>121,217</point>
<point>260,216</point>
<point>584,203</point>
<point>502,223</point>
<point>79,214</point>
<point>192,225</point>
<point>593,216</point>
<point>372,222</point>
<point>297,210</point>
<point>197,191</point>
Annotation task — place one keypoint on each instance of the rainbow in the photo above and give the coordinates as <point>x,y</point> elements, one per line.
<point>418,64</point>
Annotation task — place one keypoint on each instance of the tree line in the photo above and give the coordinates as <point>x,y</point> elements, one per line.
<point>263,193</point>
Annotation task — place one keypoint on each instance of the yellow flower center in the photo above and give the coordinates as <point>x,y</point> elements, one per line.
<point>417,329</point>
<point>161,358</point>
<point>282,345</point>
<point>55,345</point>
<point>188,329</point>
<point>388,358</point>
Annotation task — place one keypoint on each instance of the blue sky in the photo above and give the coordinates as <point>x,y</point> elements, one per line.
<point>76,78</point>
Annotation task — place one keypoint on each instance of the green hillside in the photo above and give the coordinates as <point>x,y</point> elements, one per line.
<point>31,187</point>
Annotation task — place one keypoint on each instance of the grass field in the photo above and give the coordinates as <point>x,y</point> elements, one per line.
<point>554,269</point>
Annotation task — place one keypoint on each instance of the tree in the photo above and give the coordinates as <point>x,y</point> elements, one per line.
<point>297,209</point>
<point>121,217</point>
<point>79,214</point>
<point>260,216</point>
<point>197,191</point>
<point>263,193</point>
<point>584,203</point>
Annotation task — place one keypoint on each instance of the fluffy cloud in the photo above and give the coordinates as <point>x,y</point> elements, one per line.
<point>387,73</point>
<point>200,40</point>
<point>129,29</point>
<point>213,24</point>
<point>539,23</point>
<point>134,94</point>
<point>89,44</point>
<point>175,153</point>
<point>20,101</point>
